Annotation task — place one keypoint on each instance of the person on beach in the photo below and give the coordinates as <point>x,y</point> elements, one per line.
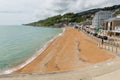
<point>102,42</point>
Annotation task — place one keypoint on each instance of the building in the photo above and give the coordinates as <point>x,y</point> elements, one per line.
<point>112,25</point>
<point>100,17</point>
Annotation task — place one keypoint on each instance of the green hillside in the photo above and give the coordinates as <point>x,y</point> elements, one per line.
<point>74,17</point>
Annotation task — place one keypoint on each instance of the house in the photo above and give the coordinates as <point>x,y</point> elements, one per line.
<point>100,17</point>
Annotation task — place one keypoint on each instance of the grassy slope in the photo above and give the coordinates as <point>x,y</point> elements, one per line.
<point>72,17</point>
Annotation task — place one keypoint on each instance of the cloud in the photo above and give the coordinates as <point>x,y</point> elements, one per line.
<point>11,12</point>
<point>26,11</point>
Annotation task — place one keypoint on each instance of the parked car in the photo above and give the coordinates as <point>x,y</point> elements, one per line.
<point>91,33</point>
<point>88,32</point>
<point>111,39</point>
<point>104,37</point>
<point>99,36</point>
<point>95,34</point>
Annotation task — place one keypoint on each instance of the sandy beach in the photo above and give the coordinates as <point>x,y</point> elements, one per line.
<point>71,50</point>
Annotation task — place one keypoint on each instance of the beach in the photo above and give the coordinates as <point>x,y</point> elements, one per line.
<point>72,50</point>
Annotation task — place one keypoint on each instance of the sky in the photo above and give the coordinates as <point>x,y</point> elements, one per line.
<point>16,12</point>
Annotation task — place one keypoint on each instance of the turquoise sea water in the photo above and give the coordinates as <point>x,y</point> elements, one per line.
<point>18,43</point>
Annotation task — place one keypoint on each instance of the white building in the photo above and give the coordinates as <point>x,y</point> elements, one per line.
<point>99,18</point>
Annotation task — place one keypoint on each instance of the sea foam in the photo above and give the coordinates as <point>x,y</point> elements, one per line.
<point>9,71</point>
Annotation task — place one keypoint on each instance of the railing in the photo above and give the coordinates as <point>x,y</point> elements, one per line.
<point>112,45</point>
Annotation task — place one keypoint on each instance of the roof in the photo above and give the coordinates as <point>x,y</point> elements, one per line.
<point>112,19</point>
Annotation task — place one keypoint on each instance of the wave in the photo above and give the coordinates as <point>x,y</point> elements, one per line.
<point>11,70</point>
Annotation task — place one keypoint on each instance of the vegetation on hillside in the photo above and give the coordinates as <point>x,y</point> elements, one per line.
<point>117,12</point>
<point>74,17</point>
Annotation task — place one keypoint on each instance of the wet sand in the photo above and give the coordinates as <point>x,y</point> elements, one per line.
<point>71,50</point>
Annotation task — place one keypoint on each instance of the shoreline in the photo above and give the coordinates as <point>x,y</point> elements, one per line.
<point>71,51</point>
<point>33,57</point>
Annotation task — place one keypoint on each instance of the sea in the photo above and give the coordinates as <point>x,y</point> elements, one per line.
<point>18,43</point>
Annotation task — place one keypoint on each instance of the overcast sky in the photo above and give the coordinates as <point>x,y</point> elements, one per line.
<point>25,11</point>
